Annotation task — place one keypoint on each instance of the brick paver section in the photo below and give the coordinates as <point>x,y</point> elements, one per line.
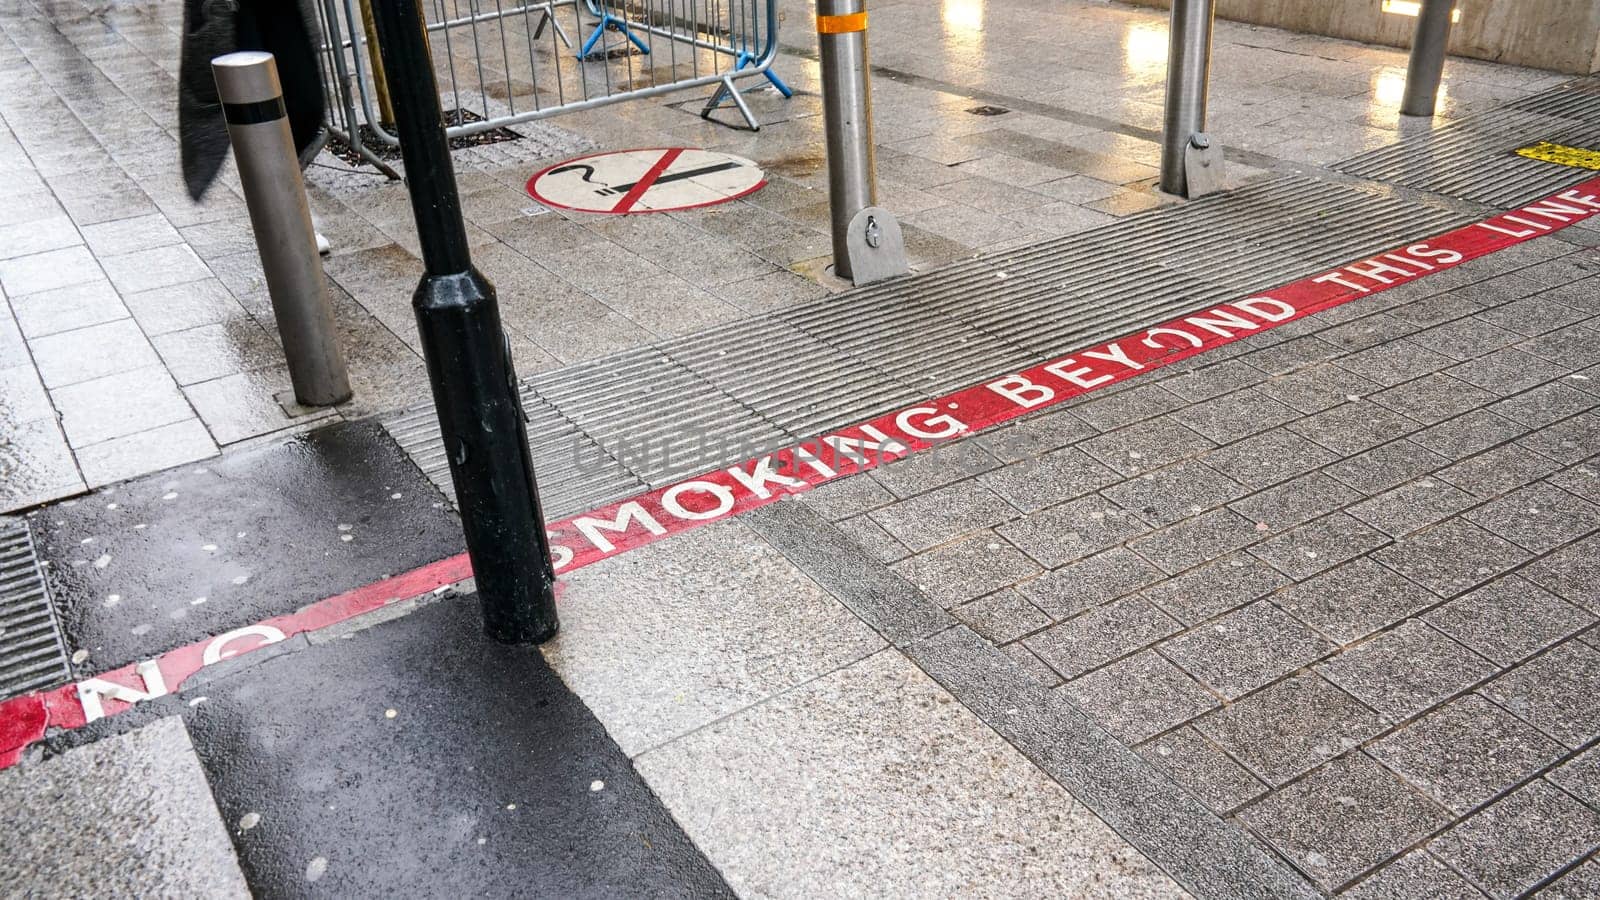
<point>1338,579</point>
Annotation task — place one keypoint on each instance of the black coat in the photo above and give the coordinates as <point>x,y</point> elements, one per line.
<point>285,28</point>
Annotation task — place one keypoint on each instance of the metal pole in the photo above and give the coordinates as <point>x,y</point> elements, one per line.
<point>269,171</point>
<point>1188,75</point>
<point>846,119</point>
<point>380,86</point>
<point>469,360</point>
<point>1428,49</point>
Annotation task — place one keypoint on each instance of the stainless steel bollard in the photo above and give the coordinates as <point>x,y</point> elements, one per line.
<point>1188,77</point>
<point>269,170</point>
<point>867,244</point>
<point>1426,66</point>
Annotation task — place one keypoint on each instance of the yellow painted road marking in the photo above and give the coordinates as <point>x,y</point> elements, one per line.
<point>1560,154</point>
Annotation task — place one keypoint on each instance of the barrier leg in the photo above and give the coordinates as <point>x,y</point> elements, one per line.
<point>1188,76</point>
<point>1426,66</point>
<point>547,16</point>
<point>867,244</point>
<point>269,171</point>
<point>469,361</point>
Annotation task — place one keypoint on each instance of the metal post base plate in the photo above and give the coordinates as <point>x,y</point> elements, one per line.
<point>876,247</point>
<point>1202,166</point>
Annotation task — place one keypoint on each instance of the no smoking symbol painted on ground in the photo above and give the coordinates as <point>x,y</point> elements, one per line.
<point>639,181</point>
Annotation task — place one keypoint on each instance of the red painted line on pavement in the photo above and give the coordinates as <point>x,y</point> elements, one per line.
<point>587,538</point>
<point>649,179</point>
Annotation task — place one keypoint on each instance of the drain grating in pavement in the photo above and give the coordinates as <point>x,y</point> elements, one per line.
<point>1475,158</point>
<point>648,417</point>
<point>32,654</point>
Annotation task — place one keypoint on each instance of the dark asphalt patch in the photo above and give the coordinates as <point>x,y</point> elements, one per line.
<point>178,556</point>
<point>490,779</point>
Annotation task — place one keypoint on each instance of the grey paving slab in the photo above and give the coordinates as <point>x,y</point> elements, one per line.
<point>847,497</point>
<point>1465,752</point>
<point>1554,692</point>
<point>1290,727</point>
<point>1174,492</point>
<point>1569,441</point>
<point>1411,506</point>
<point>1385,466</point>
<point>1319,545</point>
<point>1090,581</point>
<point>95,351</point>
<point>1002,617</point>
<point>1031,484</point>
<point>1100,635</point>
<point>1235,416</point>
<point>626,621</point>
<point>1395,362</point>
<point>931,519</point>
<point>1269,458</point>
<point>757,792</point>
<point>1073,530</point>
<point>1579,776</point>
<point>1506,371</point>
<point>1146,445</point>
<point>1545,404</point>
<point>968,568</point>
<point>1135,404</point>
<point>1196,540</point>
<point>116,405</point>
<point>948,462</point>
<point>832,558</point>
<point>1498,471</point>
<point>1519,841</point>
<point>1451,557</point>
<point>1035,434</point>
<point>1405,670</point>
<point>131,815</point>
<point>1317,388</point>
<point>1296,501</point>
<point>1139,696</point>
<point>67,308</point>
<point>1469,433</point>
<point>1207,856</point>
<point>1343,819</point>
<point>1581,881</point>
<point>1353,427</point>
<point>1415,876</point>
<point>1509,619</point>
<point>1572,572</point>
<point>1218,586</point>
<point>1245,649</point>
<point>1201,767</point>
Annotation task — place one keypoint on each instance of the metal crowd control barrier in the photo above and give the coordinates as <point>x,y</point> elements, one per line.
<point>511,62</point>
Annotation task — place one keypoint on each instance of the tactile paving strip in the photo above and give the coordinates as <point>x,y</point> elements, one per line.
<point>1475,158</point>
<point>32,653</point>
<point>654,415</point>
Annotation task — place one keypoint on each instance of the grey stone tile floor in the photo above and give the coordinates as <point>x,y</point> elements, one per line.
<point>1342,601</point>
<point>137,332</point>
<point>1378,659</point>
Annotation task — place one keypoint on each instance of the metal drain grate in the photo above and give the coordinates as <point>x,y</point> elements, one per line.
<point>651,416</point>
<point>32,654</point>
<point>1473,159</point>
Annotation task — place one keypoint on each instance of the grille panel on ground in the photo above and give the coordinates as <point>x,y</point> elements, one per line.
<point>32,654</point>
<point>1474,159</point>
<point>654,415</point>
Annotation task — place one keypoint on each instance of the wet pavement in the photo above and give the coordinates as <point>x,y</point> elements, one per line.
<point>171,558</point>
<point>1312,613</point>
<point>140,336</point>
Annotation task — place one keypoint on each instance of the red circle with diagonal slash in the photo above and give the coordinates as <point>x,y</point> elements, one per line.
<point>657,179</point>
